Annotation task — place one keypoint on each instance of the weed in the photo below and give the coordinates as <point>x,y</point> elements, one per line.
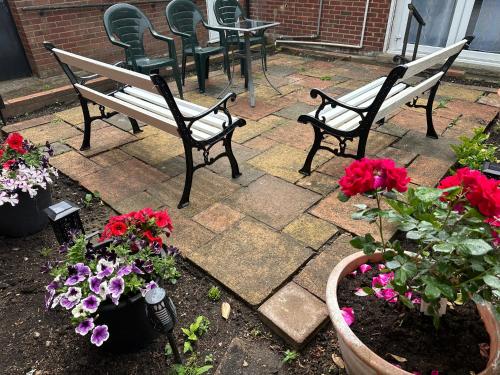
<point>45,251</point>
<point>194,332</point>
<point>289,356</point>
<point>191,367</point>
<point>442,103</point>
<point>473,152</point>
<point>90,197</point>
<point>214,293</point>
<point>326,78</point>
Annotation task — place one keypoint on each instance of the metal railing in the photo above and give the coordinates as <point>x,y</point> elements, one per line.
<point>401,59</point>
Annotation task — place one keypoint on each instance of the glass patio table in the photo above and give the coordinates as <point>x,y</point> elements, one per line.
<point>248,28</point>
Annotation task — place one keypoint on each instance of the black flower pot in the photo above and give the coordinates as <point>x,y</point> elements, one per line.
<point>27,217</point>
<point>129,327</point>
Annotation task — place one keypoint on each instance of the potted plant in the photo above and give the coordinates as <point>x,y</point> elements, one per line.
<point>25,179</point>
<point>448,258</point>
<point>102,287</point>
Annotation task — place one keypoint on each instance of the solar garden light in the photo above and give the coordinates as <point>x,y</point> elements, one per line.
<point>65,220</point>
<point>161,312</point>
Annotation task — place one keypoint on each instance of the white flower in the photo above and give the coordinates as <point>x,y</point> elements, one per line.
<point>78,311</point>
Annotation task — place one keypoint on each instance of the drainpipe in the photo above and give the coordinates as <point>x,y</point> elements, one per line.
<point>283,39</point>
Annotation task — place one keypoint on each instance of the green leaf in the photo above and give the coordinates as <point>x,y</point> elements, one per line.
<point>477,246</point>
<point>342,197</point>
<point>188,347</point>
<point>492,281</point>
<point>406,302</point>
<point>393,264</point>
<point>432,291</point>
<point>203,369</point>
<point>443,247</point>
<point>414,235</point>
<point>428,195</point>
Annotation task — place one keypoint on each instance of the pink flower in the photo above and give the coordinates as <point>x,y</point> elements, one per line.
<point>390,295</point>
<point>434,372</point>
<point>365,268</point>
<point>348,315</point>
<point>380,266</point>
<point>382,279</point>
<point>353,273</point>
<point>360,292</point>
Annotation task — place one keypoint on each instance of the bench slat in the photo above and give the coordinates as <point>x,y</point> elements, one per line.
<point>437,57</point>
<point>115,73</point>
<point>203,130</point>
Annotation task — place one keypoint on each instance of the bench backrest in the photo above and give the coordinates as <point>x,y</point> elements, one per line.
<point>154,84</point>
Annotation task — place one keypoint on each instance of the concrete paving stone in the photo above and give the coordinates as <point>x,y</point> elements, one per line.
<point>458,92</point>
<point>96,124</point>
<point>293,134</point>
<point>121,122</point>
<point>248,357</point>
<point>137,202</point>
<point>251,259</point>
<point>490,99</point>
<point>337,92</point>
<point>463,127</point>
<point>469,110</point>
<point>155,149</point>
<point>314,275</point>
<point>207,189</point>
<point>392,129</point>
<point>122,180</point>
<point>252,129</point>
<point>277,82</point>
<point>376,142</point>
<point>427,171</point>
<point>74,115</point>
<point>200,99</point>
<point>102,140</point>
<point>262,107</point>
<point>310,230</point>
<point>312,82</point>
<point>74,165</point>
<point>284,161</point>
<point>172,167</point>
<point>352,84</point>
<point>417,142</point>
<point>51,132</point>
<point>290,88</point>
<point>281,70</point>
<point>417,121</point>
<point>335,167</point>
<point>18,126</point>
<point>272,201</point>
<point>304,96</point>
<point>59,148</point>
<point>319,183</point>
<point>264,92</point>
<point>401,157</point>
<point>260,143</point>
<point>147,131</point>
<point>294,314</point>
<point>109,158</point>
<point>218,217</point>
<point>340,213</point>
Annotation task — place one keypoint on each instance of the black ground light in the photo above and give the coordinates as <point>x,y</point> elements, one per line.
<point>162,313</point>
<point>65,220</point>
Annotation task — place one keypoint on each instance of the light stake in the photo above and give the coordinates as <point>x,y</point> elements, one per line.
<point>65,220</point>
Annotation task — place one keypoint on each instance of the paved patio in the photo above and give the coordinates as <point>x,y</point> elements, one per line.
<point>271,236</point>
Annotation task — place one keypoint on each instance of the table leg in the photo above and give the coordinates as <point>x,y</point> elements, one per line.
<point>248,65</point>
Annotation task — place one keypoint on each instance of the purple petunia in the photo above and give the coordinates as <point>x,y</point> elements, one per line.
<point>91,303</point>
<point>74,279</point>
<point>149,286</point>
<point>116,286</point>
<point>82,269</point>
<point>66,303</point>
<point>99,335</point>
<point>85,327</point>
<point>125,270</point>
<point>74,294</point>
<point>94,284</point>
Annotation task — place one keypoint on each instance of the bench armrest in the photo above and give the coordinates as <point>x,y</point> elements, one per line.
<point>220,106</point>
<point>328,100</point>
<point>170,42</point>
<point>85,79</point>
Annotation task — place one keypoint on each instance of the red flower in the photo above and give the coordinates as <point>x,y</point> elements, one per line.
<point>1,152</point>
<point>358,178</point>
<point>163,220</point>
<point>151,239</point>
<point>8,164</point>
<point>118,228</point>
<point>15,142</point>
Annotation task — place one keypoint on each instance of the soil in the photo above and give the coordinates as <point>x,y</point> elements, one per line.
<point>44,342</point>
<point>388,328</point>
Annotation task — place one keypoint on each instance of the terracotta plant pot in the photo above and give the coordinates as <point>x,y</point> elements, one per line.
<point>359,359</point>
<point>27,217</point>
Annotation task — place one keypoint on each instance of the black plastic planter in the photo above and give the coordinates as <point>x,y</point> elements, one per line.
<point>129,327</point>
<point>27,217</point>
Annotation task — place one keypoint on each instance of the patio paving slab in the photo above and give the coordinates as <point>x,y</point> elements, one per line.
<point>102,140</point>
<point>284,161</point>
<point>109,158</point>
<point>464,126</point>
<point>120,121</point>
<point>155,149</point>
<point>473,111</point>
<point>314,276</point>
<point>293,134</point>
<point>339,213</point>
<point>294,314</point>
<point>74,165</point>
<point>272,201</point>
<point>416,121</point>
<point>218,217</point>
<point>18,126</point>
<point>319,183</point>
<point>294,110</point>
<point>310,230</point>
<point>427,171</point>
<point>335,167</point>
<point>451,90</point>
<point>96,124</point>
<point>254,128</point>
<point>490,99</point>
<point>137,202</point>
<point>417,142</point>
<point>392,129</point>
<point>376,142</point>
<point>74,115</point>
<point>188,236</point>
<point>51,132</point>
<point>122,180</point>
<point>173,166</point>
<point>401,157</point>
<point>59,148</point>
<point>260,143</point>
<point>251,259</point>
<point>262,107</point>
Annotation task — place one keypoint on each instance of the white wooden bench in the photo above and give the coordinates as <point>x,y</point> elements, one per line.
<point>149,99</point>
<point>352,115</point>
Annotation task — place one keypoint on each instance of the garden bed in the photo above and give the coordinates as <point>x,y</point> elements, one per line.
<point>45,342</point>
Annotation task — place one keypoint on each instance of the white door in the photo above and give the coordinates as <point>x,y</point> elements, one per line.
<point>213,36</point>
<point>448,21</point>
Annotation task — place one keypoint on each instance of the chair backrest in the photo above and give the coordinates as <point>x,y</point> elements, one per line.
<point>228,12</point>
<point>183,16</point>
<point>127,23</point>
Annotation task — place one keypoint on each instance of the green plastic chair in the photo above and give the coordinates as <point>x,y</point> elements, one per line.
<point>228,12</point>
<point>125,25</point>
<point>183,16</point>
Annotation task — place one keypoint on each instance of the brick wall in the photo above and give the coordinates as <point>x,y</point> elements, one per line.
<point>81,31</point>
<point>341,21</point>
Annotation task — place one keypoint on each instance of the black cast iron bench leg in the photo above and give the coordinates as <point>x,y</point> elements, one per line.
<point>318,137</point>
